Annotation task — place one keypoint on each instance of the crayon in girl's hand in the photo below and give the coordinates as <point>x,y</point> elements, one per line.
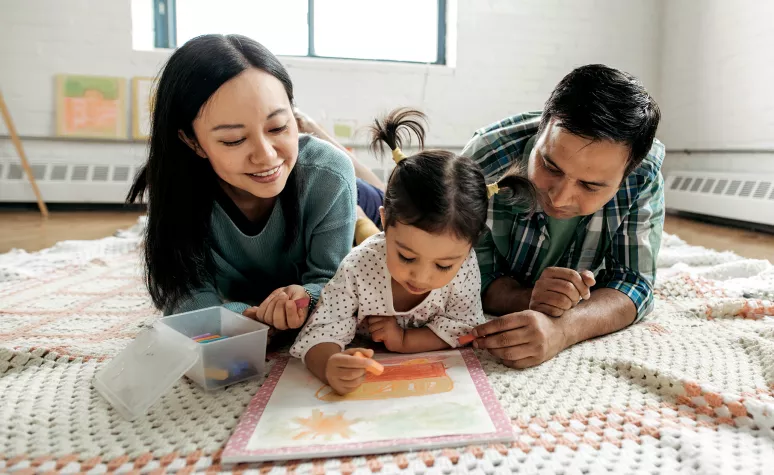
<point>302,303</point>
<point>465,339</point>
<point>374,367</point>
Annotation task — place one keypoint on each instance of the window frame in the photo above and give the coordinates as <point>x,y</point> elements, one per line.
<point>165,26</point>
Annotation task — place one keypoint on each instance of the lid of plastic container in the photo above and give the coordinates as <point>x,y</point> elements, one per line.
<point>145,370</point>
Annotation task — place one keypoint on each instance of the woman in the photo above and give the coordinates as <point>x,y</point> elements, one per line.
<point>241,210</point>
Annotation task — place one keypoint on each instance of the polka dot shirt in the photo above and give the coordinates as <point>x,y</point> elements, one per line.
<point>362,288</point>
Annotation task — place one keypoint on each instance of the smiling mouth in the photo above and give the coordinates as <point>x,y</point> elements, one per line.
<point>267,172</point>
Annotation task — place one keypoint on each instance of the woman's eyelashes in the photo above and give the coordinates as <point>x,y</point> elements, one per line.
<point>233,143</point>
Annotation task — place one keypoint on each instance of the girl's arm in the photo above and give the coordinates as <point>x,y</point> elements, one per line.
<point>333,324</point>
<point>463,309</point>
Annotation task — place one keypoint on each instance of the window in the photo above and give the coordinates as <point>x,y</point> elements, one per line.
<point>388,30</point>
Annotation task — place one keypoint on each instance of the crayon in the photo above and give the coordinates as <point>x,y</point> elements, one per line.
<point>465,339</point>
<point>210,340</point>
<point>373,366</point>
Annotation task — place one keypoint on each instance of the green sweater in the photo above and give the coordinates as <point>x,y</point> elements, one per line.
<point>250,267</point>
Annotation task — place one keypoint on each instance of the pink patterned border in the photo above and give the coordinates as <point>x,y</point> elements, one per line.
<point>236,448</point>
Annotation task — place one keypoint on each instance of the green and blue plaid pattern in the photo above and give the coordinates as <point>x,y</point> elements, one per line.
<point>619,243</point>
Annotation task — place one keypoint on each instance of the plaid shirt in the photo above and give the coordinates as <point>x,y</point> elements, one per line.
<point>619,243</point>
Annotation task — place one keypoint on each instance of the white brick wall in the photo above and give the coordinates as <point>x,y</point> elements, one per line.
<point>716,83</point>
<point>537,42</point>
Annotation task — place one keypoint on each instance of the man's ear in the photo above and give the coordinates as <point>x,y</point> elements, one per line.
<point>192,144</point>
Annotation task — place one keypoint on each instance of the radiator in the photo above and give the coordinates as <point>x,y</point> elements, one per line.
<point>75,183</point>
<point>737,196</point>
<point>67,183</point>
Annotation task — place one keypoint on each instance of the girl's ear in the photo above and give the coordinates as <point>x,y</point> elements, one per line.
<point>192,144</point>
<point>381,215</point>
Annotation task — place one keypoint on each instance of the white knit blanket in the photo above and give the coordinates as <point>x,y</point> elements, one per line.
<point>689,390</point>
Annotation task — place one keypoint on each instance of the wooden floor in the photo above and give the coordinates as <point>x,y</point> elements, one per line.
<point>746,243</point>
<point>26,230</point>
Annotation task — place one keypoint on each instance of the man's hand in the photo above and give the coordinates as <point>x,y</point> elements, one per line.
<point>522,339</point>
<point>385,329</point>
<point>286,307</point>
<point>559,289</point>
<point>345,372</point>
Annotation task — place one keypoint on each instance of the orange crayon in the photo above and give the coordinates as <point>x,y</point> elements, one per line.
<point>373,366</point>
<point>465,339</point>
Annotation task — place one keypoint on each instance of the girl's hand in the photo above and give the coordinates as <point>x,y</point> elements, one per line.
<point>286,307</point>
<point>345,372</point>
<point>386,330</point>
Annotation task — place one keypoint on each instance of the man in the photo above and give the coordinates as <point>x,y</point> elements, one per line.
<point>584,264</point>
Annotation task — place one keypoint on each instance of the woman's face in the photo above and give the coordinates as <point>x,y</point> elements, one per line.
<point>248,133</point>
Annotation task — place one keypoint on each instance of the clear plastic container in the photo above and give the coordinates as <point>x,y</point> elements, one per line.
<point>239,357</point>
<point>150,365</point>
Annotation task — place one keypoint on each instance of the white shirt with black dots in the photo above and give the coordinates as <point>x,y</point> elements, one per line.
<point>362,288</point>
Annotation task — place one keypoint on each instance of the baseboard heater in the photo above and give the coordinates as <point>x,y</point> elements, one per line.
<point>733,196</point>
<point>66,183</point>
<point>73,183</point>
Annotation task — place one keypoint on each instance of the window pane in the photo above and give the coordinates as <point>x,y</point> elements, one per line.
<point>401,30</point>
<point>142,25</point>
<point>280,25</point>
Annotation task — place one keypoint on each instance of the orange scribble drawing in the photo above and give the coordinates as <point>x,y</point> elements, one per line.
<point>92,111</point>
<point>406,378</point>
<point>326,427</point>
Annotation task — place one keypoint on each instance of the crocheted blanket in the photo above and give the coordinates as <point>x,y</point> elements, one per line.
<point>691,389</point>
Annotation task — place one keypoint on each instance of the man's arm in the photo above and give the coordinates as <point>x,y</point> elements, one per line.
<point>528,338</point>
<point>607,311</point>
<point>505,295</point>
<point>630,263</point>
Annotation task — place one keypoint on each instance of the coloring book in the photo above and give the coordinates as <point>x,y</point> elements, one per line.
<point>422,401</point>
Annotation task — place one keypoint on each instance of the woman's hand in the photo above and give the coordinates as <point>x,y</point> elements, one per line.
<point>286,307</point>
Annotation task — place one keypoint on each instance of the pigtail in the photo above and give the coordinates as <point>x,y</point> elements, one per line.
<point>520,191</point>
<point>396,130</point>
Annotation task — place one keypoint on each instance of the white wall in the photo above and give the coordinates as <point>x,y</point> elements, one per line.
<point>717,83</point>
<point>509,56</point>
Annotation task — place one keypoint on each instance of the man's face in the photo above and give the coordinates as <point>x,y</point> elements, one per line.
<point>575,176</point>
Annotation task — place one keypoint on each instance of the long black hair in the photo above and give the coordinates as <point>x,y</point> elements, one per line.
<point>436,190</point>
<point>180,185</point>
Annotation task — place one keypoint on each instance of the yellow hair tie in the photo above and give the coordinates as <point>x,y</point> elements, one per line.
<point>398,155</point>
<point>492,190</point>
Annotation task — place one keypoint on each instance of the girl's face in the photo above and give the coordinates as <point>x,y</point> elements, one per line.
<point>420,261</point>
<point>247,132</point>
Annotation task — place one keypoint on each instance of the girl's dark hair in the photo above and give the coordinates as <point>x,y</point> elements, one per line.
<point>435,190</point>
<point>180,185</point>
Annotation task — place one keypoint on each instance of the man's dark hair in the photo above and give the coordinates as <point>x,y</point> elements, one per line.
<point>601,103</point>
